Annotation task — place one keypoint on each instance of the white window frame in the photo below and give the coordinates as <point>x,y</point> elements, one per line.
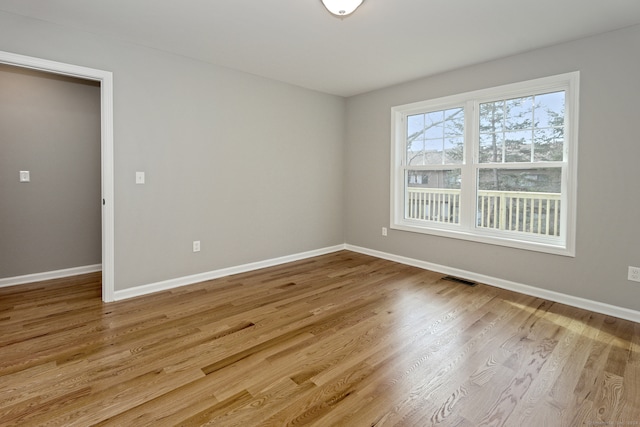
<point>564,244</point>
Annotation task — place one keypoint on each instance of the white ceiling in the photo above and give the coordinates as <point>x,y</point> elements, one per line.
<point>296,41</point>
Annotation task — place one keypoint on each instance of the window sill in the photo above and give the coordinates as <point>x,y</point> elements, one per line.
<point>554,246</point>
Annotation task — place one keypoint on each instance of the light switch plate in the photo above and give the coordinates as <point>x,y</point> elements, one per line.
<point>139,177</point>
<point>25,176</point>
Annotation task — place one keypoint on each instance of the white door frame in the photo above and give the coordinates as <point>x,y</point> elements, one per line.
<point>106,145</point>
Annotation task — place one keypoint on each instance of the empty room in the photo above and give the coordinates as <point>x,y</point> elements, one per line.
<point>319,212</point>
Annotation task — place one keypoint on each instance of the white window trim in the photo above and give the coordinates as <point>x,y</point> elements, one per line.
<point>466,230</point>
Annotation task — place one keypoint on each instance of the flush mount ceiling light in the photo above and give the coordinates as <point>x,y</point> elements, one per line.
<point>341,7</point>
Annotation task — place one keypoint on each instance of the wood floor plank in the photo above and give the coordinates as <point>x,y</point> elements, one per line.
<point>534,400</point>
<point>342,339</point>
<point>412,371</point>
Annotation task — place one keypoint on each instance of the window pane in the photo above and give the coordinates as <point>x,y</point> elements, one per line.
<point>533,129</point>
<point>453,150</point>
<point>491,147</point>
<point>518,146</point>
<point>523,200</point>
<point>492,116</point>
<point>454,122</point>
<point>549,133</point>
<point>415,153</point>
<point>433,195</point>
<point>548,145</point>
<point>415,139</point>
<point>415,126</point>
<point>433,152</point>
<point>549,110</point>
<point>434,124</point>
<point>519,113</point>
<point>435,138</point>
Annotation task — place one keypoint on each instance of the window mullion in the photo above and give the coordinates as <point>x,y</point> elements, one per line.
<point>468,191</point>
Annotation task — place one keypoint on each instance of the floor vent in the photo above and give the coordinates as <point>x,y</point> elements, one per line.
<point>459,280</point>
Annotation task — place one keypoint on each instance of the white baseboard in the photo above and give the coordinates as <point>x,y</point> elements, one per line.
<point>48,275</point>
<point>216,274</point>
<point>595,306</point>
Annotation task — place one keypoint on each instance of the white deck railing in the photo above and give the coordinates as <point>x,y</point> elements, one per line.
<point>527,212</point>
<point>433,204</point>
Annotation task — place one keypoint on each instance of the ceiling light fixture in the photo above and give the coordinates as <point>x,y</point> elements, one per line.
<point>342,8</point>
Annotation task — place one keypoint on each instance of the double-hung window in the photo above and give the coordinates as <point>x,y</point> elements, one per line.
<point>495,166</point>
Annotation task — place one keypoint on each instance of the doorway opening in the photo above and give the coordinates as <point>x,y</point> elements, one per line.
<point>105,79</point>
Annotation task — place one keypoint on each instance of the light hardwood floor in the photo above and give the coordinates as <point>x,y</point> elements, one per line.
<point>337,340</point>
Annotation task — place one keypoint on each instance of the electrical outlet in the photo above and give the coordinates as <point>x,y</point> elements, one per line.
<point>196,246</point>
<point>384,231</point>
<point>634,274</point>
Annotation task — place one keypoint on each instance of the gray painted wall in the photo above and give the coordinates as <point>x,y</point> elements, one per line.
<point>257,169</point>
<point>608,222</point>
<point>251,167</point>
<point>50,126</point>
